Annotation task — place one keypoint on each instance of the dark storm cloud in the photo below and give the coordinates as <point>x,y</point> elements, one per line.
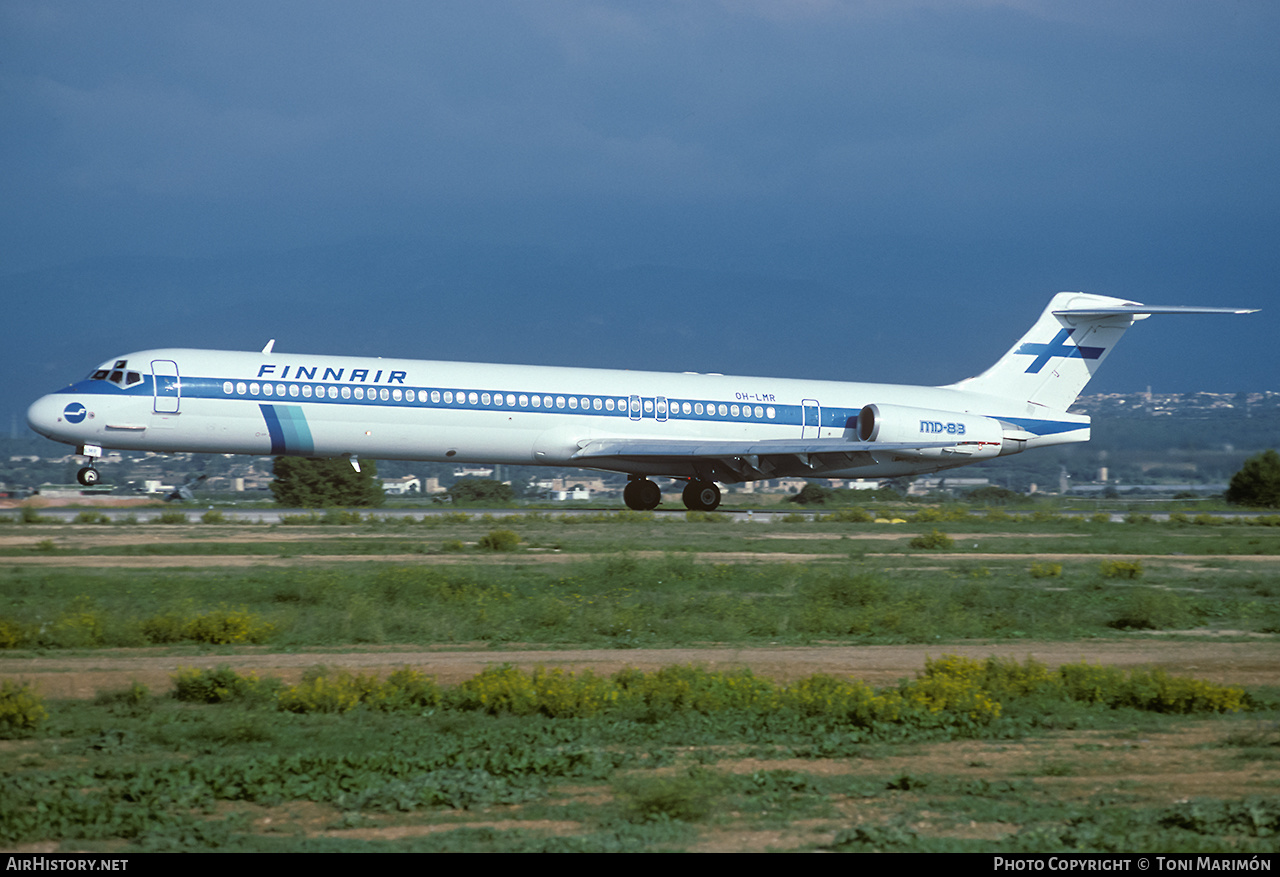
<point>695,177</point>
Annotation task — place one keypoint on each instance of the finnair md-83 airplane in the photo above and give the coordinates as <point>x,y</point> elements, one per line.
<point>699,428</point>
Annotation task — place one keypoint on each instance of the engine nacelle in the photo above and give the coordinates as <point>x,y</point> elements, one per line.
<point>971,435</point>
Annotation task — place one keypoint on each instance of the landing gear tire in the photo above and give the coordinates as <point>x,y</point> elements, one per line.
<point>701,496</point>
<point>642,495</point>
<point>88,476</point>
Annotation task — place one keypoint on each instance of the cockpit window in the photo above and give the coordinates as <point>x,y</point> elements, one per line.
<point>117,375</point>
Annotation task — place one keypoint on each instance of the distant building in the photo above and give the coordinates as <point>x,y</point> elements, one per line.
<point>403,485</point>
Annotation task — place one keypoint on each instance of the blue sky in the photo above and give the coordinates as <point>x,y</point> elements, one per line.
<point>875,190</point>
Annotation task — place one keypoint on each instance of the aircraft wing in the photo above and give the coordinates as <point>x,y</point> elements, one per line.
<point>750,459</point>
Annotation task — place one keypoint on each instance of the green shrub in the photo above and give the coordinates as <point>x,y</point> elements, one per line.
<point>21,709</point>
<point>849,516</point>
<point>1045,570</point>
<point>508,689</point>
<point>90,516</point>
<point>323,694</point>
<point>661,798</point>
<point>1121,569</point>
<point>1153,690</point>
<point>220,685</point>
<point>932,539</point>
<point>81,626</point>
<point>227,626</point>
<point>213,516</point>
<point>1152,609</point>
<point>12,634</point>
<point>500,540</point>
<point>170,517</point>
<point>405,689</point>
<point>849,700</point>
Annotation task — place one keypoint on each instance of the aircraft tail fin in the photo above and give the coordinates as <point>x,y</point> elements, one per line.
<point>1052,363</point>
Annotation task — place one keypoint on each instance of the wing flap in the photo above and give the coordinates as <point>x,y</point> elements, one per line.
<point>747,460</point>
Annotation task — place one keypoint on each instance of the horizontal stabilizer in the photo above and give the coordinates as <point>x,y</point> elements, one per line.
<point>1051,363</point>
<point>1135,310</point>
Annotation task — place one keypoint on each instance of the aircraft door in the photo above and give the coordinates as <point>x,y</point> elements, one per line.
<point>660,407</point>
<point>811,418</point>
<point>167,386</point>
<point>633,409</point>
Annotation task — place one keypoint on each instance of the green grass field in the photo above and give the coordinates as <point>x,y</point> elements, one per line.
<point>690,767</point>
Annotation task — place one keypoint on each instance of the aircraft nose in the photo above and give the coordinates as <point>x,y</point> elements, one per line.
<point>48,413</point>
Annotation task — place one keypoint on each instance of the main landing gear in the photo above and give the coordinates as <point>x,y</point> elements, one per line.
<point>701,496</point>
<point>642,495</point>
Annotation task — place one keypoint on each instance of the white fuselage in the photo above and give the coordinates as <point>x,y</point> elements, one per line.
<point>207,401</point>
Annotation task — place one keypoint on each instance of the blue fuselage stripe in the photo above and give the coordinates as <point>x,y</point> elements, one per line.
<point>287,427</point>
<point>290,433</point>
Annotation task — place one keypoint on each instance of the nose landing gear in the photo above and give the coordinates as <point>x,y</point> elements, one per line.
<point>89,476</point>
